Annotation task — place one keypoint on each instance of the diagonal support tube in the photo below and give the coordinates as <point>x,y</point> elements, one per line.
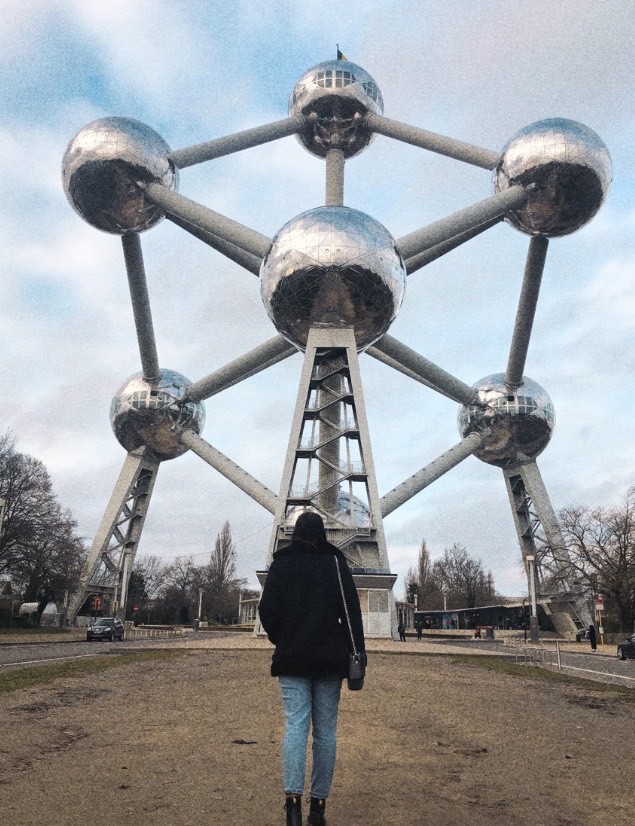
<point>424,477</point>
<point>529,293</point>
<point>459,222</point>
<point>416,262</point>
<point>206,219</point>
<point>227,145</point>
<point>247,483</point>
<point>396,365</point>
<point>265,355</point>
<point>133,258</point>
<point>450,147</point>
<point>246,260</point>
<point>436,377</point>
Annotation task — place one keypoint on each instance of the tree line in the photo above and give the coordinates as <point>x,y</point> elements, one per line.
<point>42,554</point>
<point>600,546</point>
<point>456,580</point>
<point>171,593</point>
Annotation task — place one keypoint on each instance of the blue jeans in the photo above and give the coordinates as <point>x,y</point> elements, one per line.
<point>309,701</point>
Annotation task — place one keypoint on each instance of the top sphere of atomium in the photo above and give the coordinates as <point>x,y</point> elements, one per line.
<point>103,166</point>
<point>332,267</point>
<point>567,169</point>
<point>521,420</point>
<point>154,414</point>
<point>335,96</point>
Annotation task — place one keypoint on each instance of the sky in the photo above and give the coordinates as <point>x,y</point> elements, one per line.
<point>195,70</point>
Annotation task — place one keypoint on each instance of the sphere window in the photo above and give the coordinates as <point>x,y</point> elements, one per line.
<point>526,404</point>
<point>371,90</point>
<point>330,79</point>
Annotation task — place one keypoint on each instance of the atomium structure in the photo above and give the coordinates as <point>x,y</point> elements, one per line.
<point>332,281</point>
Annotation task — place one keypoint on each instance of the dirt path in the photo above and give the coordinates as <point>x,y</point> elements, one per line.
<point>430,740</point>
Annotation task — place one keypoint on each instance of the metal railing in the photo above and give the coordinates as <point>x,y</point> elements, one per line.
<point>139,633</point>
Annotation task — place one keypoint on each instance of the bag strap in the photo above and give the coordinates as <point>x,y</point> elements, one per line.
<point>348,619</point>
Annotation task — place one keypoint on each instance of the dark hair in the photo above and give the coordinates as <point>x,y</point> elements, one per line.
<point>310,528</point>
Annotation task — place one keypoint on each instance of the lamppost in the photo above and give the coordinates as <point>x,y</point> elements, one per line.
<point>533,619</point>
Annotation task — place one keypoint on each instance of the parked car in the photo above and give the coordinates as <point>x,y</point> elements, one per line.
<point>582,634</point>
<point>105,628</point>
<point>626,649</point>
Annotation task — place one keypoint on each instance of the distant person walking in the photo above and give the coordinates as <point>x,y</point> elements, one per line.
<point>592,637</point>
<point>402,631</point>
<point>302,612</point>
<point>419,627</point>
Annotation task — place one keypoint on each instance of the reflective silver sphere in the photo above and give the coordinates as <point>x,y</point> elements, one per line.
<point>357,516</point>
<point>521,421</point>
<point>332,267</point>
<point>102,166</point>
<point>155,414</point>
<point>338,94</point>
<point>352,511</point>
<point>568,168</point>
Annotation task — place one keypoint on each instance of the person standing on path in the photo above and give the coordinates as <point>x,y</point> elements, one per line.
<point>402,631</point>
<point>592,637</point>
<point>302,612</point>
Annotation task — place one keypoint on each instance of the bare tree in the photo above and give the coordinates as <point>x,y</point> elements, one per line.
<point>153,572</point>
<point>601,546</point>
<point>40,550</point>
<point>223,585</point>
<point>222,564</point>
<point>146,581</point>
<point>463,579</point>
<point>422,586</point>
<point>178,595</point>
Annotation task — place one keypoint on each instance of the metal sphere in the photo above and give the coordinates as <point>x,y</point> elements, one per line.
<point>352,511</point>
<point>332,267</point>
<point>338,95</point>
<point>102,167</point>
<point>568,169</point>
<point>358,515</point>
<point>521,421</point>
<point>155,414</point>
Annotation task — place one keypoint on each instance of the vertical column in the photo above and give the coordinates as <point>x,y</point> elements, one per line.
<point>330,383</point>
<point>334,177</point>
<point>329,428</point>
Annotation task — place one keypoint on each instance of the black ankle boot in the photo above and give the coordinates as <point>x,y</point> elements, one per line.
<point>294,810</point>
<point>316,813</point>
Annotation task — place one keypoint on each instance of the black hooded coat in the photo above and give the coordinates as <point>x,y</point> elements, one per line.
<point>302,612</point>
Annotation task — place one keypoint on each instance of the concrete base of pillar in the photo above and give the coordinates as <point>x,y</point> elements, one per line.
<point>534,630</point>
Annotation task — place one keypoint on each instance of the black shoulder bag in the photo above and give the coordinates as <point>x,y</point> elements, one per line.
<point>356,660</point>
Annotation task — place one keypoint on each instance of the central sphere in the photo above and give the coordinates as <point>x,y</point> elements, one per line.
<point>520,420</point>
<point>103,166</point>
<point>154,414</point>
<point>333,267</point>
<point>338,95</point>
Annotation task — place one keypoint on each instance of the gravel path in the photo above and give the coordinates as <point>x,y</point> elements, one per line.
<point>195,740</point>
